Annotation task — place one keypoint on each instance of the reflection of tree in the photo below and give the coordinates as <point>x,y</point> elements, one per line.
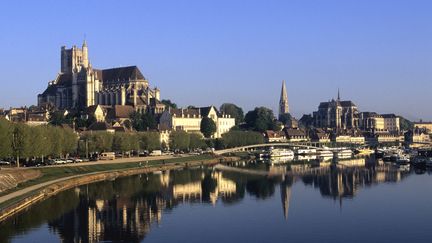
<point>261,188</point>
<point>119,218</point>
<point>209,185</point>
<point>39,213</point>
<point>126,209</point>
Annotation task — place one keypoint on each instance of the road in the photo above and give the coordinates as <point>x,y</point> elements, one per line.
<point>101,162</point>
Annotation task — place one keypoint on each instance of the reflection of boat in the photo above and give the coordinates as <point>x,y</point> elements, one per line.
<point>281,160</point>
<point>403,160</point>
<point>379,153</point>
<point>420,161</point>
<point>429,162</point>
<point>325,155</point>
<point>306,151</point>
<point>343,154</point>
<point>280,153</point>
<point>306,157</point>
<point>403,167</point>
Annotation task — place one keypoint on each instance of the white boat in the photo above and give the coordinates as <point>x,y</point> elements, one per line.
<point>306,151</point>
<point>403,160</point>
<point>345,153</point>
<point>325,153</point>
<point>280,153</point>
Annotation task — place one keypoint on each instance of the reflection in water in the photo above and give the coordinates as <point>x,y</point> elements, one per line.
<point>128,208</point>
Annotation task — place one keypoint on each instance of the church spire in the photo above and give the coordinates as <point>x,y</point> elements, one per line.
<point>283,102</point>
<point>338,98</point>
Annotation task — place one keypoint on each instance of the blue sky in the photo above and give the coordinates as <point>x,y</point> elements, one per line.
<point>378,52</point>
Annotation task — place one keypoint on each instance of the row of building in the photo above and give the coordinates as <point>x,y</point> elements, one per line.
<point>340,121</point>
<point>320,135</point>
<point>110,96</point>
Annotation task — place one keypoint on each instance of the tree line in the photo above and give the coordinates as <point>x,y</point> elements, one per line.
<point>20,141</point>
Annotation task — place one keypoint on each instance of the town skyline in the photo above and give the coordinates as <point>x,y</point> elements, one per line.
<point>393,74</point>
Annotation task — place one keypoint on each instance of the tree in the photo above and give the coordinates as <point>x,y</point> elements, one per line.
<point>40,142</point>
<point>5,138</point>
<point>405,124</point>
<point>137,122</point>
<point>242,138</point>
<point>20,141</point>
<point>121,143</point>
<point>143,122</point>
<point>57,118</point>
<point>149,141</point>
<point>149,121</point>
<point>284,118</point>
<point>169,104</point>
<point>56,138</point>
<point>234,111</point>
<point>196,141</point>
<point>261,119</point>
<point>70,141</point>
<point>179,140</point>
<point>208,127</point>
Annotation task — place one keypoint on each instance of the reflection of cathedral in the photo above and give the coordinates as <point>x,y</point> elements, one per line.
<point>343,181</point>
<point>126,209</point>
<point>285,188</point>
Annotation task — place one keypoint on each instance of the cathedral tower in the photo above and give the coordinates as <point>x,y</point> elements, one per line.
<point>283,103</point>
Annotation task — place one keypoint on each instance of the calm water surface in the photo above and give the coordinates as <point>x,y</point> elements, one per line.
<point>354,202</point>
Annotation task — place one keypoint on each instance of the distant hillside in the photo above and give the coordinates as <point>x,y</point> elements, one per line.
<point>405,124</point>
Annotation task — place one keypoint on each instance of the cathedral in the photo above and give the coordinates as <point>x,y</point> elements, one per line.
<point>336,114</point>
<point>79,85</point>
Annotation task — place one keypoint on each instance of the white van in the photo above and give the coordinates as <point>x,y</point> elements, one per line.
<point>107,156</point>
<point>156,153</point>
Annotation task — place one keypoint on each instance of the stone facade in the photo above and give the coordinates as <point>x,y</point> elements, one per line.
<point>189,120</point>
<point>79,85</point>
<point>283,102</point>
<point>427,126</point>
<point>336,114</point>
<point>371,121</point>
<point>391,123</point>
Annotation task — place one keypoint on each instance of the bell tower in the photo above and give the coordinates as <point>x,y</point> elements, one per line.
<point>283,102</point>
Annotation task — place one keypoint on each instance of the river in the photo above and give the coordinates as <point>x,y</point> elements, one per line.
<point>356,202</point>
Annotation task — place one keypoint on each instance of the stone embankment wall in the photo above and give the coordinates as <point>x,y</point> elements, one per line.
<point>79,180</point>
<point>11,178</point>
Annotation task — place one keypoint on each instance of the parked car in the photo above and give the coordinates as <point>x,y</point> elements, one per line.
<point>78,160</point>
<point>59,161</point>
<point>4,163</point>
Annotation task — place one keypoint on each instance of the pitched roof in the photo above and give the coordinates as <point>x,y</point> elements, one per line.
<point>122,73</point>
<point>347,103</point>
<point>64,79</point>
<point>389,115</point>
<point>178,112</point>
<point>295,132</point>
<point>206,110</point>
<point>50,90</point>
<point>122,111</point>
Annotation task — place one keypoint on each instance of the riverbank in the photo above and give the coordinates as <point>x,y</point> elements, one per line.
<point>56,179</point>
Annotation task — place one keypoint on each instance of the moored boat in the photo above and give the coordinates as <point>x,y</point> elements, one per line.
<point>280,153</point>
